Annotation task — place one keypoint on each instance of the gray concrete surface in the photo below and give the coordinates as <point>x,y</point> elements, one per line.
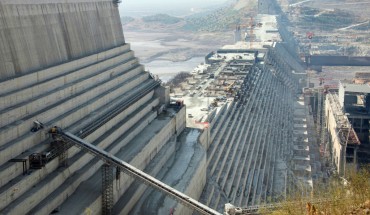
<point>48,33</point>
<point>145,144</point>
<point>66,63</point>
<point>249,154</point>
<point>183,167</point>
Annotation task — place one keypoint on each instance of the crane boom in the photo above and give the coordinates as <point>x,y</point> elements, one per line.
<point>136,173</point>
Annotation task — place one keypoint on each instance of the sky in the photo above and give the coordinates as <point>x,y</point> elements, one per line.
<point>172,7</point>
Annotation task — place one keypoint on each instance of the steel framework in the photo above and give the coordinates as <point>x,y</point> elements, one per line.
<point>107,189</point>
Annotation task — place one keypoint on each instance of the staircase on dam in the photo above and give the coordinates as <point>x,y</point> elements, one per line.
<point>74,99</point>
<point>66,63</point>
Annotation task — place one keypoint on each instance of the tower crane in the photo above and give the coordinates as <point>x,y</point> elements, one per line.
<point>251,25</point>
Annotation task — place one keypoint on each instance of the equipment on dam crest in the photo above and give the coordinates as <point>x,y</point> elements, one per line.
<point>112,160</point>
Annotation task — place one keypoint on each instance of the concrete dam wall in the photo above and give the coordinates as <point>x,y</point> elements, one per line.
<point>39,34</point>
<point>327,60</point>
<point>66,63</point>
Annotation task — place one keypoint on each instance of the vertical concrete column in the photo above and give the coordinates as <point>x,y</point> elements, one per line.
<point>164,94</point>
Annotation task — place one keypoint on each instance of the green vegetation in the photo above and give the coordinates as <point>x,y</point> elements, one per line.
<point>178,79</point>
<point>162,18</point>
<point>335,197</point>
<point>126,19</point>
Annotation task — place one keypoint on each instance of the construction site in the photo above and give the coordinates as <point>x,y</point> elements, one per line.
<point>85,129</point>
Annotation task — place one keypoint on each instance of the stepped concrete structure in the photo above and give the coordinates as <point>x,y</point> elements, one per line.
<point>251,149</point>
<point>65,63</point>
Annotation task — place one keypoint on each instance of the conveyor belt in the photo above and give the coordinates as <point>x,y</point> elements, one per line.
<point>106,117</point>
<point>138,174</point>
<point>111,114</point>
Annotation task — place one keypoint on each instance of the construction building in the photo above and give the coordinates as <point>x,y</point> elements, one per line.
<point>347,122</point>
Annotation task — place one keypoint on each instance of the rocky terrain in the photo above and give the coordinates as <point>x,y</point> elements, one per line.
<point>337,27</point>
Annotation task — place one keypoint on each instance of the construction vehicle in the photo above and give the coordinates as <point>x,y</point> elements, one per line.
<point>177,104</point>
<point>112,160</point>
<point>310,35</point>
<point>230,88</point>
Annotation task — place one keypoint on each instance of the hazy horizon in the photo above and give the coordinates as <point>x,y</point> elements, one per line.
<point>180,7</point>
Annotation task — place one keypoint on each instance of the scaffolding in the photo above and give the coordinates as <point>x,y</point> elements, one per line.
<point>345,131</point>
<point>107,189</point>
<point>63,156</point>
